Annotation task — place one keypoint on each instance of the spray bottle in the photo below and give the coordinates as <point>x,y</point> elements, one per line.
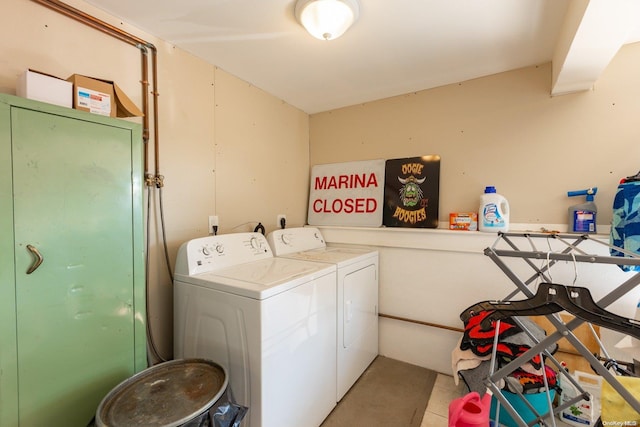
<point>582,217</point>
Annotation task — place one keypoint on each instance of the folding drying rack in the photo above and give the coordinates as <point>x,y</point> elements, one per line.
<point>569,251</point>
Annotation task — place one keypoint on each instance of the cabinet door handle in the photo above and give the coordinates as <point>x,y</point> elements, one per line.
<point>37,261</point>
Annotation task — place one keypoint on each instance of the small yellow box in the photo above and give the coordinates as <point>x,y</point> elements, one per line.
<point>464,221</point>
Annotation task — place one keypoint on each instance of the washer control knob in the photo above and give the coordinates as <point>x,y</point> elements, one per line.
<point>205,250</point>
<point>219,248</point>
<point>255,244</point>
<point>286,239</point>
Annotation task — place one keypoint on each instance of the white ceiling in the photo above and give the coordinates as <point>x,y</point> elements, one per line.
<point>395,47</point>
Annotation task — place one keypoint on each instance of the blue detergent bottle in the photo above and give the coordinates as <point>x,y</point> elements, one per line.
<point>582,217</point>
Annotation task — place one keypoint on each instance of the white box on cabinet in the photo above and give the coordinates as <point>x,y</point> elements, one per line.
<point>44,87</point>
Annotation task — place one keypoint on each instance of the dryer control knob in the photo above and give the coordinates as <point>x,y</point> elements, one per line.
<point>286,239</point>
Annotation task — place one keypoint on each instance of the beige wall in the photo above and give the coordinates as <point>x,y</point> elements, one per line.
<point>230,149</point>
<point>226,148</point>
<point>503,130</point>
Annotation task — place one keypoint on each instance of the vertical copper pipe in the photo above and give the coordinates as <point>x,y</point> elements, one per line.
<point>145,108</point>
<point>156,130</point>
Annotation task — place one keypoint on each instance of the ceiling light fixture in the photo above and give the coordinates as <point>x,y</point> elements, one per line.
<point>327,19</point>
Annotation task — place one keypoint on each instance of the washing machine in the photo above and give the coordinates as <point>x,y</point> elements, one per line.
<point>357,291</point>
<point>271,322</point>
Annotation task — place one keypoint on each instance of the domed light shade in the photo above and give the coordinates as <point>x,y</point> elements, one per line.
<point>327,19</point>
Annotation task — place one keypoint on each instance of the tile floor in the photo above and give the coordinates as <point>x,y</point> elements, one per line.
<point>444,391</point>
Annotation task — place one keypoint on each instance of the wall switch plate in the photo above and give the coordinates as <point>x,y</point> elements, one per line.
<point>281,217</point>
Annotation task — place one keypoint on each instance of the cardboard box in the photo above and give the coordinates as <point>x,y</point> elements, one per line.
<point>101,97</point>
<point>465,221</point>
<point>44,87</point>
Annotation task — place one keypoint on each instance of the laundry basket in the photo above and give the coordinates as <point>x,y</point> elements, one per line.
<point>170,394</point>
<point>537,400</point>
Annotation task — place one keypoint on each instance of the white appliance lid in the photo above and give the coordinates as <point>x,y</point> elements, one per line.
<point>261,279</point>
<point>268,272</point>
<point>340,256</point>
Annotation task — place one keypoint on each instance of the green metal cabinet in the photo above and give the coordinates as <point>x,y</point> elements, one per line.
<point>73,328</point>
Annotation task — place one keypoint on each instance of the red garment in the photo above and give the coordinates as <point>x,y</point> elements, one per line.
<point>531,381</point>
<point>480,340</point>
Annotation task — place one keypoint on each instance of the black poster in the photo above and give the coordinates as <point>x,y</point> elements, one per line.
<point>411,191</point>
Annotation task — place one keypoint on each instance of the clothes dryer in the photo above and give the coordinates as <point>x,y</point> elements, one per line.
<point>357,290</point>
<point>271,322</point>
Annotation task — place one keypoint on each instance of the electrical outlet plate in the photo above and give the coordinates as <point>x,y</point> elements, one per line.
<point>281,216</point>
<point>213,222</point>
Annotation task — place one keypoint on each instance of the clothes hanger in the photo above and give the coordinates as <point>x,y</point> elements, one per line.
<point>540,304</point>
<point>573,299</point>
<point>584,303</point>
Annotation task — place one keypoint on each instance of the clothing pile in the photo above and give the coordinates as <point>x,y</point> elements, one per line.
<point>471,359</point>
